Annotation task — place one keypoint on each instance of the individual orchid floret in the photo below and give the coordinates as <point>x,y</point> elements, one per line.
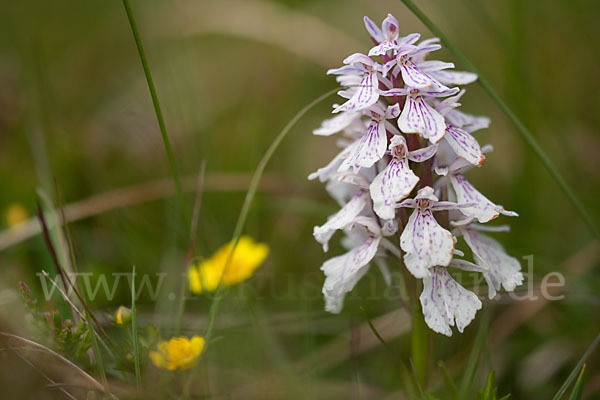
<point>388,35</point>
<point>412,75</point>
<point>445,301</point>
<point>417,116</point>
<point>367,92</point>
<point>481,208</point>
<point>325,173</point>
<point>397,180</point>
<point>344,217</point>
<point>371,147</point>
<point>343,272</point>
<point>502,270</point>
<point>425,242</point>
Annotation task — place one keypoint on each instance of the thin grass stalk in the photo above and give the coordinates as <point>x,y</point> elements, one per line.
<point>98,356</point>
<point>157,108</point>
<point>578,367</point>
<point>134,335</point>
<point>239,226</point>
<point>521,128</point>
<point>466,383</point>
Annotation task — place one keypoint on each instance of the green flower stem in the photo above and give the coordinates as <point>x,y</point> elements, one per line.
<point>157,109</point>
<point>521,128</point>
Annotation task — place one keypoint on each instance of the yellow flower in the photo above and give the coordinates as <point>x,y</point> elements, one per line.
<point>178,353</point>
<point>15,214</point>
<point>248,256</point>
<point>122,316</point>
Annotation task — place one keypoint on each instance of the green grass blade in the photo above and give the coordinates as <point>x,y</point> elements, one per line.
<point>578,389</point>
<point>466,383</point>
<point>521,128</point>
<point>241,221</point>
<point>448,381</point>
<point>134,335</point>
<point>97,354</point>
<point>157,108</point>
<point>578,367</point>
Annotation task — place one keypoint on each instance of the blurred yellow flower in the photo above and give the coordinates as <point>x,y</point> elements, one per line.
<point>122,316</point>
<point>248,256</point>
<point>178,353</point>
<point>15,214</point>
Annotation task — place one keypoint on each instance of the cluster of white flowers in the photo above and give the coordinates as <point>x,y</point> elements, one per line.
<point>405,145</point>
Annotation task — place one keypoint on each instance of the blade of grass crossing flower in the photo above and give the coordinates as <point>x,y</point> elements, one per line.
<point>134,335</point>
<point>448,381</point>
<point>241,221</point>
<point>578,389</point>
<point>157,108</point>
<point>578,367</point>
<point>98,355</point>
<point>521,128</point>
<point>471,368</point>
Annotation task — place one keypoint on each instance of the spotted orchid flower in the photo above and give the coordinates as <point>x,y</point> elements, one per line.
<point>500,269</point>
<point>425,242</point>
<point>343,272</point>
<point>417,116</point>
<point>480,208</point>
<point>344,217</point>
<point>445,302</point>
<point>405,99</point>
<point>371,147</point>
<point>367,92</point>
<point>397,180</point>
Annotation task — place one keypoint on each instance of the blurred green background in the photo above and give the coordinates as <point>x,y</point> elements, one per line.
<point>74,106</point>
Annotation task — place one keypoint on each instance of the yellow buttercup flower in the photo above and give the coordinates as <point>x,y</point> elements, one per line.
<point>15,214</point>
<point>178,353</point>
<point>248,256</point>
<point>122,316</point>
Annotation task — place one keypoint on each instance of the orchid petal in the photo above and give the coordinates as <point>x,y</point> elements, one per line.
<point>328,171</point>
<point>336,124</point>
<point>373,30</point>
<point>426,243</point>
<point>419,117</point>
<point>483,209</point>
<point>371,148</point>
<point>504,270</point>
<point>464,145</point>
<point>444,301</point>
<point>454,77</point>
<point>413,76</point>
<point>392,185</point>
<point>423,154</point>
<point>366,95</point>
<point>343,272</point>
<point>344,217</point>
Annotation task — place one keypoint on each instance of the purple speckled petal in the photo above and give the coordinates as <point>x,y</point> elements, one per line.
<point>347,70</point>
<point>344,217</point>
<point>336,124</point>
<point>444,301</point>
<point>383,48</point>
<point>504,270</point>
<point>484,210</point>
<point>343,272</point>
<point>426,243</point>
<point>464,145</point>
<point>389,27</point>
<point>373,30</point>
<point>423,154</point>
<point>366,95</point>
<point>413,76</point>
<point>371,148</point>
<point>392,185</point>
<point>419,117</point>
